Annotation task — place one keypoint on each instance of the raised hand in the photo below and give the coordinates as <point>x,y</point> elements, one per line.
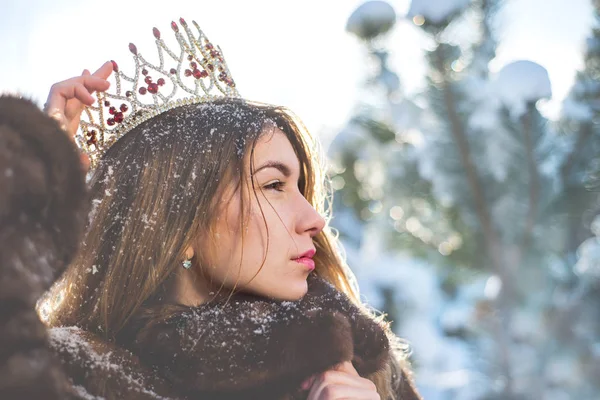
<point>67,98</point>
<point>341,382</point>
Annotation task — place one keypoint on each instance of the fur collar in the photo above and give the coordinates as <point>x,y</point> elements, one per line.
<point>250,347</point>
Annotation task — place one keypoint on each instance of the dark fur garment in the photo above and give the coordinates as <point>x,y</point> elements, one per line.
<point>43,206</point>
<point>252,348</point>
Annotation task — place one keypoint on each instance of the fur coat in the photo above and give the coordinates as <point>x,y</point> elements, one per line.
<point>43,207</point>
<point>252,348</point>
<point>245,347</point>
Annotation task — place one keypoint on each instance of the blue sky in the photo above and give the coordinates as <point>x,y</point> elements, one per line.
<point>294,53</point>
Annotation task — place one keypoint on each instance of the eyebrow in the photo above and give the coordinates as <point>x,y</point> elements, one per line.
<point>285,170</point>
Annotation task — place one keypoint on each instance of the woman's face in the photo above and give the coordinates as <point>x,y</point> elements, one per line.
<point>290,219</point>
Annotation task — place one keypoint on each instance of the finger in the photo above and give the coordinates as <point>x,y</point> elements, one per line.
<point>83,88</point>
<point>308,382</point>
<point>336,391</point>
<point>74,108</point>
<point>73,91</point>
<point>343,378</point>
<point>347,367</point>
<point>66,90</point>
<point>85,161</point>
<point>63,91</point>
<point>104,71</point>
<point>94,83</point>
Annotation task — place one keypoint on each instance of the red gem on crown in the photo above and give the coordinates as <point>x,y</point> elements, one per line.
<point>92,137</point>
<point>153,88</point>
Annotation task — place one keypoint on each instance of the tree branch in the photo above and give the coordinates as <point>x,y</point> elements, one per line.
<point>585,131</point>
<point>492,242</point>
<point>534,182</point>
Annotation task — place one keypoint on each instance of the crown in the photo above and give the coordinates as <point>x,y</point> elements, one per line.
<point>195,73</point>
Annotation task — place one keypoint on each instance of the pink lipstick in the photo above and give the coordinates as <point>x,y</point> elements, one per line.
<point>306,259</point>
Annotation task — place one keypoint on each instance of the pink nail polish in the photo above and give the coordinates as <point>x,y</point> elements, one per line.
<point>306,384</point>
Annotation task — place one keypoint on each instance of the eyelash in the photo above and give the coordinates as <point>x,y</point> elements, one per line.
<point>275,185</point>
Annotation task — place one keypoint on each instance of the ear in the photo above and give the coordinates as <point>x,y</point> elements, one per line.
<point>189,253</point>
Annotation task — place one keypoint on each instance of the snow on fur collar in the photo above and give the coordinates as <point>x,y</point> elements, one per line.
<point>253,348</point>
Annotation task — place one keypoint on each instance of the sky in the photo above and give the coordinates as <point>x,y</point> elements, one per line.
<point>293,53</point>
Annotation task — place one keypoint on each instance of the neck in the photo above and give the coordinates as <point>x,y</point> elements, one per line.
<point>190,289</point>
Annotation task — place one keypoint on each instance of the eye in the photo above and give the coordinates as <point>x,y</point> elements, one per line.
<point>277,185</point>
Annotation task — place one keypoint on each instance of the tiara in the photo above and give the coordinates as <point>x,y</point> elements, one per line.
<point>197,69</point>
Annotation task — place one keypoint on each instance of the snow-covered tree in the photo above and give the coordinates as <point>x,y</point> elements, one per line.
<point>484,191</point>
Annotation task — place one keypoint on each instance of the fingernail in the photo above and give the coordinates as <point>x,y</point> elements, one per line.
<point>306,384</point>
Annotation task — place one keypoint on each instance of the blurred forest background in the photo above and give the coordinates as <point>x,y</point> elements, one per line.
<point>469,217</point>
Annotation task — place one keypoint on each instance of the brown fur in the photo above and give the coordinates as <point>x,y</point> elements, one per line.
<point>100,368</point>
<point>251,348</point>
<point>42,209</point>
<point>243,347</point>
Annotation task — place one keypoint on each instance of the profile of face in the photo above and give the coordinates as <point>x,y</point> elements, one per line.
<point>279,226</point>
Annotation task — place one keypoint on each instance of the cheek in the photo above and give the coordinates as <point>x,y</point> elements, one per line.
<point>272,221</point>
<point>262,220</point>
<point>247,239</point>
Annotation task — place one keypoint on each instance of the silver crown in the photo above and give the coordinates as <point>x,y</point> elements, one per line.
<point>197,69</point>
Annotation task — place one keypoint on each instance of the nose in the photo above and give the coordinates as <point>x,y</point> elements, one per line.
<point>309,220</point>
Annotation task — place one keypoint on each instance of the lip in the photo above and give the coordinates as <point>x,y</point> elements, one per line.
<point>307,254</point>
<point>306,259</point>
<point>308,262</point>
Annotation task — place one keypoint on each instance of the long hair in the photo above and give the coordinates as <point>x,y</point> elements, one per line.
<point>155,192</point>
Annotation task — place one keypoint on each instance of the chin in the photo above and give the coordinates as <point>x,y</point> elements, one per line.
<point>299,291</point>
<point>290,291</point>
<point>284,290</point>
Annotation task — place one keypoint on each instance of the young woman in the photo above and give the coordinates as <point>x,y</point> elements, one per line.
<point>209,257</point>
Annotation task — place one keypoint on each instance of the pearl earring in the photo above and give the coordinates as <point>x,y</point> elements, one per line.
<point>187,264</point>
